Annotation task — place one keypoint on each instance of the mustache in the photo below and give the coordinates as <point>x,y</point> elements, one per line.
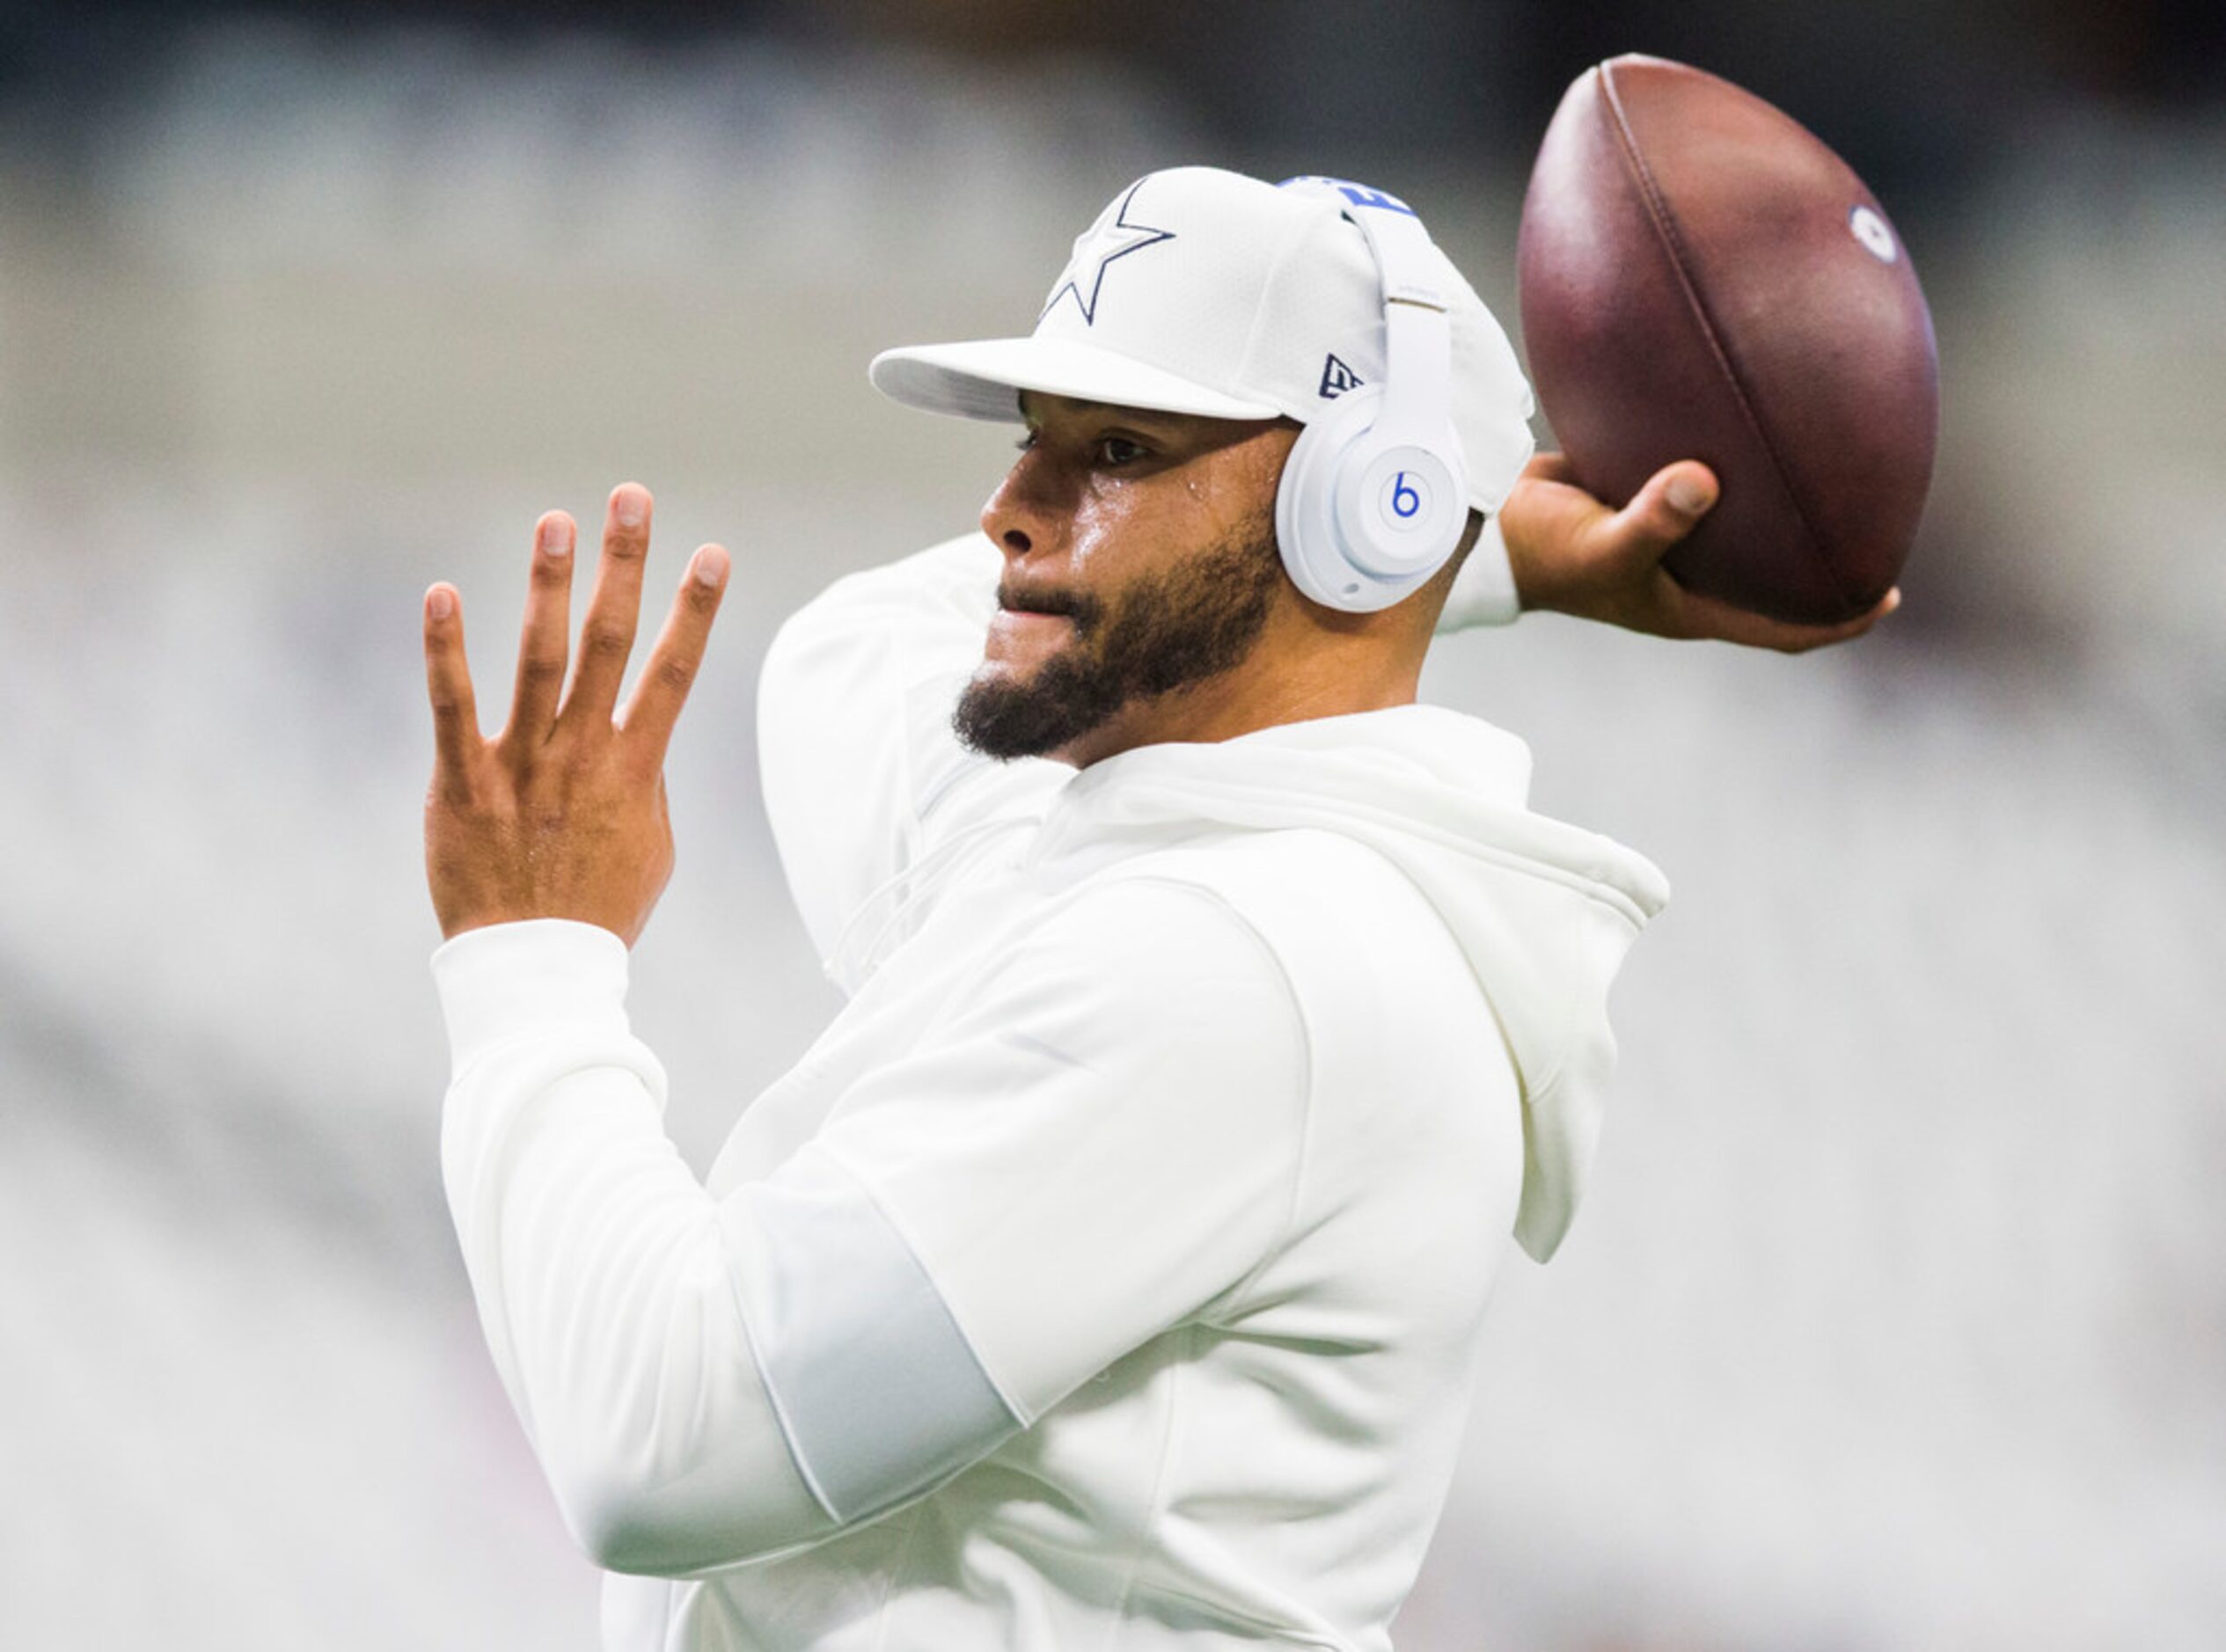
<point>1083,609</point>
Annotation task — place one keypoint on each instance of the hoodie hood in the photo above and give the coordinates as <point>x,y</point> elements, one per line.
<point>1544,911</point>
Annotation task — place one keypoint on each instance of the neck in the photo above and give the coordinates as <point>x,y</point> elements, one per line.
<point>1301,670</point>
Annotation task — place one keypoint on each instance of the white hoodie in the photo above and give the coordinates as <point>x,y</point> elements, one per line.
<point>1109,1274</point>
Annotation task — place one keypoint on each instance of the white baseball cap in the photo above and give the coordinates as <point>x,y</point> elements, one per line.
<point>1203,291</point>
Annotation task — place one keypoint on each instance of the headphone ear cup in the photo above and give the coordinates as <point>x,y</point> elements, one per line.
<point>1362,522</point>
<point>1306,504</point>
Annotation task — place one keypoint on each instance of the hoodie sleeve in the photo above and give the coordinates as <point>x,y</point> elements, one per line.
<point>598,1262</point>
<point>874,804</point>
<point>1095,1147</point>
<point>1107,1135</point>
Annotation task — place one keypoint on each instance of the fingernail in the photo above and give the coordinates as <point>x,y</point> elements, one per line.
<point>440,603</point>
<point>711,565</point>
<point>554,541</point>
<point>1893,599</point>
<point>629,507</point>
<point>1685,494</point>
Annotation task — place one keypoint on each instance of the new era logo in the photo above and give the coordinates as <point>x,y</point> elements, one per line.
<point>1336,378</point>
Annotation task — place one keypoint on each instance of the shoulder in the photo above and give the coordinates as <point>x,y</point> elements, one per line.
<point>1156,942</point>
<point>1303,918</point>
<point>1384,994</point>
<point>1315,900</point>
<point>1412,1111</point>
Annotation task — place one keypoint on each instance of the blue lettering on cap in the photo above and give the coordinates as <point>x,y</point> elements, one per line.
<point>1356,195</point>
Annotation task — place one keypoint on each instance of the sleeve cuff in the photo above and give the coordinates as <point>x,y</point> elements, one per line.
<point>1484,592</point>
<point>507,980</point>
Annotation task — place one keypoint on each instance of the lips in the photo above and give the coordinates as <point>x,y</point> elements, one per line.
<point>1040,602</point>
<point>1061,603</point>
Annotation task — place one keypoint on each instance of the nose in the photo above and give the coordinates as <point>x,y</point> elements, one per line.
<point>1026,515</point>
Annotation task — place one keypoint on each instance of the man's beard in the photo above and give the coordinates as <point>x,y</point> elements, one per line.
<point>1164,631</point>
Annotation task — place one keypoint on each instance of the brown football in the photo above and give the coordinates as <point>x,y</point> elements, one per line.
<point>1703,279</point>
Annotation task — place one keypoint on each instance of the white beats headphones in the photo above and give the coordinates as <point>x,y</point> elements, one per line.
<point>1376,494</point>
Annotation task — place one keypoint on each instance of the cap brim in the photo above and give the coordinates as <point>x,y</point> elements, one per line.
<point>983,379</point>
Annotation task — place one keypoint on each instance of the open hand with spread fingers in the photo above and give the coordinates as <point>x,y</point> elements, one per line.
<point>562,814</point>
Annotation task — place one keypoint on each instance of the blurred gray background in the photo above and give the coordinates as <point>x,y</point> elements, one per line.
<point>1898,1318</point>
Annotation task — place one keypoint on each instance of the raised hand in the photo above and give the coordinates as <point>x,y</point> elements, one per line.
<point>1574,555</point>
<point>562,814</point>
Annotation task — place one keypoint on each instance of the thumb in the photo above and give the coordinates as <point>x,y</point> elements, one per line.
<point>1663,512</point>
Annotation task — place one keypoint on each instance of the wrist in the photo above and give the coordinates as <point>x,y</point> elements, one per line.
<point>502,979</point>
<point>455,926</point>
<point>1542,585</point>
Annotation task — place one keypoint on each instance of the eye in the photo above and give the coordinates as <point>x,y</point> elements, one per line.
<point>1026,441</point>
<point>1118,450</point>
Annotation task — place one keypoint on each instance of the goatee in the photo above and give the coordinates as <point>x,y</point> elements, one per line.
<point>1164,631</point>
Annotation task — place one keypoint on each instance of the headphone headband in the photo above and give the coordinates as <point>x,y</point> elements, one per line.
<point>1373,497</point>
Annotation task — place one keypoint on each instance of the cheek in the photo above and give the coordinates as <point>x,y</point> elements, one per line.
<point>1101,525</point>
<point>1118,530</point>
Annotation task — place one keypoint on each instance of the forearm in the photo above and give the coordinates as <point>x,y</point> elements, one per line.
<point>708,1381</point>
<point>598,1264</point>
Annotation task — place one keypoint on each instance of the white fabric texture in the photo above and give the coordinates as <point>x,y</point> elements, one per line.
<point>834,1301</point>
<point>598,1264</point>
<point>1205,1088</point>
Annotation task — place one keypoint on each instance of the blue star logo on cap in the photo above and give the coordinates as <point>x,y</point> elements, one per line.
<point>1111,236</point>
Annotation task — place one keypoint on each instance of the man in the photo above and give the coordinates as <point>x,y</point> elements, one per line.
<point>1109,1274</point>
